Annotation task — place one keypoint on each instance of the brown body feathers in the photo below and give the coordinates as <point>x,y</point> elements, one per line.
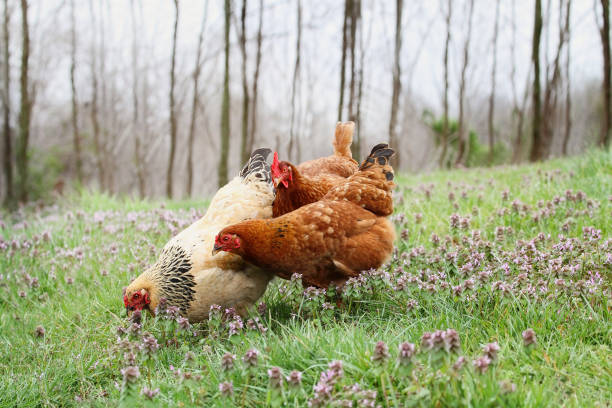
<point>311,180</point>
<point>328,241</point>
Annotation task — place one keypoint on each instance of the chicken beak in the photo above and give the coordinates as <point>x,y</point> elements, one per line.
<point>216,249</point>
<point>280,180</point>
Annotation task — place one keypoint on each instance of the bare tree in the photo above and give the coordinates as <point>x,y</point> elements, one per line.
<point>536,152</point>
<point>76,138</point>
<point>491,115</point>
<point>293,143</point>
<point>356,145</point>
<point>170,171</point>
<point>445,124</point>
<point>225,116</point>
<point>518,107</point>
<point>397,84</point>
<point>553,76</point>
<point>25,106</point>
<point>464,145</point>
<point>107,140</point>
<point>604,33</point>
<point>138,160</point>
<point>6,108</point>
<point>568,88</point>
<point>253,128</point>
<point>354,84</point>
<point>348,6</point>
<point>244,153</point>
<point>99,155</point>
<point>195,102</point>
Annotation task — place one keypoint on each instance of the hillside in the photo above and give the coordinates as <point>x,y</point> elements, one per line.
<point>518,258</point>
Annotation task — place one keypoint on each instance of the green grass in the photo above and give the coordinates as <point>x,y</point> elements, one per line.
<point>85,249</point>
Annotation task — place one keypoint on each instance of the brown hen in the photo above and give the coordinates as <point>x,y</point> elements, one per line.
<point>310,181</point>
<point>329,241</point>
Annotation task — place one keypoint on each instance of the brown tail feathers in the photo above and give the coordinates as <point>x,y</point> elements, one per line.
<point>343,139</point>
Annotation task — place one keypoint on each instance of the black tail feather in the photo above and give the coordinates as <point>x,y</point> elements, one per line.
<point>380,154</point>
<point>258,165</point>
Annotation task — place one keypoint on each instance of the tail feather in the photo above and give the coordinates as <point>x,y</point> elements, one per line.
<point>381,154</point>
<point>258,166</point>
<point>343,139</point>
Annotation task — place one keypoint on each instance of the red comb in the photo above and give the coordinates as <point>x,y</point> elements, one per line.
<point>275,167</point>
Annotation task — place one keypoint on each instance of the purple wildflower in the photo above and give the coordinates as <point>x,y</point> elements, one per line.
<point>295,378</point>
<point>481,364</point>
<point>183,323</point>
<point>529,337</point>
<point>275,376</point>
<point>227,361</point>
<point>335,369</point>
<point>381,352</point>
<point>412,304</point>
<point>136,316</point>
<point>161,306</point>
<point>490,350</point>
<point>130,373</point>
<point>149,393</point>
<point>214,312</point>
<point>250,357</point>
<point>173,312</point>
<point>322,390</point>
<point>149,343</point>
<point>226,388</point>
<point>406,351</point>
<point>261,308</point>
<point>459,363</point>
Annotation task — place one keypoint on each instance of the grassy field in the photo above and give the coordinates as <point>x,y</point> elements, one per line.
<point>484,255</point>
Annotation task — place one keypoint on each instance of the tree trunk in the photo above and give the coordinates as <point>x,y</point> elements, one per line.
<point>536,147</point>
<point>356,145</point>
<point>195,102</point>
<point>170,172</point>
<point>6,110</point>
<point>518,108</point>
<point>568,88</point>
<point>397,84</point>
<point>293,143</point>
<point>549,106</point>
<point>25,108</point>
<point>244,152</point>
<point>94,103</point>
<point>354,28</point>
<point>253,128</point>
<point>464,144</point>
<point>138,159</point>
<point>106,141</point>
<point>348,5</point>
<point>445,127</point>
<point>604,32</point>
<point>76,138</point>
<point>491,116</point>
<point>225,116</point>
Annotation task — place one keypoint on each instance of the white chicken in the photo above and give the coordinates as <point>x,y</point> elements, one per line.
<point>188,276</point>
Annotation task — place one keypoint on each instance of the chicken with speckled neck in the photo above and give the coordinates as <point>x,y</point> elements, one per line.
<point>188,276</point>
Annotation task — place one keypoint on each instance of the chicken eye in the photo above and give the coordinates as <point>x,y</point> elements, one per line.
<point>136,295</point>
<point>226,238</point>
